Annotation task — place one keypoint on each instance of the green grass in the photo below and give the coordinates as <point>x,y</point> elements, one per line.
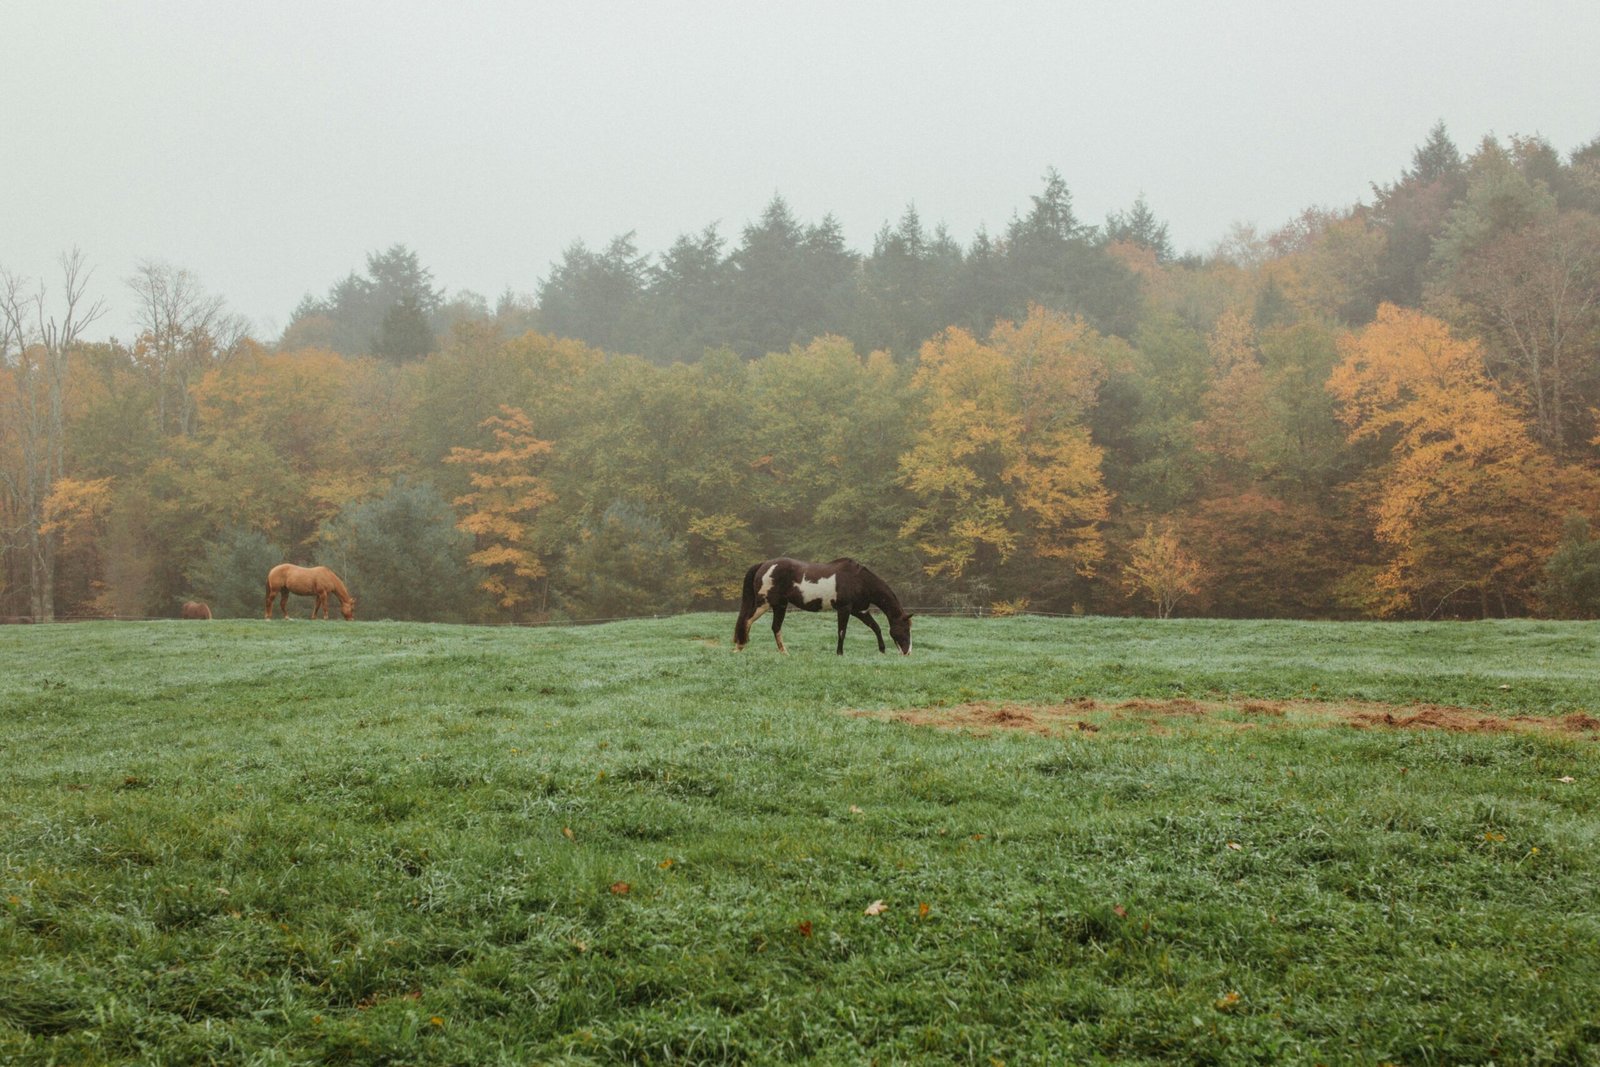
<point>384,843</point>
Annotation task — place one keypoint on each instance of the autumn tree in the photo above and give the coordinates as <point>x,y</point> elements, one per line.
<point>821,484</point>
<point>1468,505</point>
<point>36,345</point>
<point>508,491</point>
<point>183,331</point>
<point>1160,570</point>
<point>1533,294</point>
<point>1004,462</point>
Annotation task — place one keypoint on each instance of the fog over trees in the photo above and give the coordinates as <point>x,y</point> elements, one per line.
<point>1387,409</point>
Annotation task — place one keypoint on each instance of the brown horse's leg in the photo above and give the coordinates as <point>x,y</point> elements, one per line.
<point>319,610</point>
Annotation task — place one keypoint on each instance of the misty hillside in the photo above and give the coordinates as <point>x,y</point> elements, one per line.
<point>1385,409</point>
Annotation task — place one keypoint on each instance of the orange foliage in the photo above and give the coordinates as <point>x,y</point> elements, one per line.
<point>1468,501</point>
<point>506,495</point>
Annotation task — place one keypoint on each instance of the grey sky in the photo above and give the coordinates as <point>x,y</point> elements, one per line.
<point>268,147</point>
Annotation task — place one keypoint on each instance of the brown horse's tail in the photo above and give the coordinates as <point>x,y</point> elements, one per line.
<point>747,608</point>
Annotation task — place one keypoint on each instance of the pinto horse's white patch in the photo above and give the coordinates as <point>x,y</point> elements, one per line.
<point>766,583</point>
<point>824,589</point>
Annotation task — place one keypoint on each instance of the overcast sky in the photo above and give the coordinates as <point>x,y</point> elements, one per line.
<point>268,147</point>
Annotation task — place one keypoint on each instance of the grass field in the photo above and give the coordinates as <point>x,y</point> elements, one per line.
<point>1033,841</point>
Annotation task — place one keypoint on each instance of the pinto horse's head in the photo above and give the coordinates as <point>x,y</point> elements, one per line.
<point>347,608</point>
<point>900,630</point>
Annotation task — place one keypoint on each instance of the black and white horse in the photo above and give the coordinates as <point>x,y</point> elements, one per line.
<point>842,586</point>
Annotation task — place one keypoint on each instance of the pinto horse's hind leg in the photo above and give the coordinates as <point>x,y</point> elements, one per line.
<point>744,624</point>
<point>872,624</point>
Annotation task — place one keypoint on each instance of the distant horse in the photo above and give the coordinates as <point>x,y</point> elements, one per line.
<point>193,609</point>
<point>286,578</point>
<point>842,586</point>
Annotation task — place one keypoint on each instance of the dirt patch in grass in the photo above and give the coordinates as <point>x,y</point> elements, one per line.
<point>1085,714</point>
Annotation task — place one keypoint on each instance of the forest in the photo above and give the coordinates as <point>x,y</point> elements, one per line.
<point>1384,410</point>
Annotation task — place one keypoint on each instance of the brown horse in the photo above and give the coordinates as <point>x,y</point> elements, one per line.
<point>286,578</point>
<point>193,609</point>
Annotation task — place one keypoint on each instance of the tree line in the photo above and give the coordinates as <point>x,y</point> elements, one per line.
<point>1385,410</point>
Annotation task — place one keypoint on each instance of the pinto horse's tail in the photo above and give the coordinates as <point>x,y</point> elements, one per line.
<point>747,608</point>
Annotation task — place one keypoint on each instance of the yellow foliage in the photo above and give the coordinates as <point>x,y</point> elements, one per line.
<point>75,507</point>
<point>1003,459</point>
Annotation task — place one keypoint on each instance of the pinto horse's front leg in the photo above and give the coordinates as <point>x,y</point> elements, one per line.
<point>778,610</point>
<point>844,623</point>
<point>872,624</point>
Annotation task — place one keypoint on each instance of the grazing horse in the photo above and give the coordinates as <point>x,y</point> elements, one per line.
<point>193,609</point>
<point>286,578</point>
<point>842,586</point>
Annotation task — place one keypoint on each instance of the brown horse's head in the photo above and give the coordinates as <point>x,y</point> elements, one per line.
<point>347,607</point>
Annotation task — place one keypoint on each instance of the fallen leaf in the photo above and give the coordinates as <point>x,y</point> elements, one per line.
<point>664,864</point>
<point>855,810</point>
<point>1505,687</point>
<point>1566,778</point>
<point>566,831</point>
<point>1236,846</point>
<point>877,907</point>
<point>1227,1001</point>
<point>804,926</point>
<point>1120,912</point>
<point>620,888</point>
<point>922,910</point>
<point>437,1020</point>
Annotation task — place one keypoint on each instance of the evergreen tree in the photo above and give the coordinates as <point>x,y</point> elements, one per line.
<point>690,299</point>
<point>1571,585</point>
<point>403,556</point>
<point>624,563</point>
<point>596,296</point>
<point>351,319</point>
<point>1139,225</point>
<point>1411,213</point>
<point>231,574</point>
<point>405,333</point>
